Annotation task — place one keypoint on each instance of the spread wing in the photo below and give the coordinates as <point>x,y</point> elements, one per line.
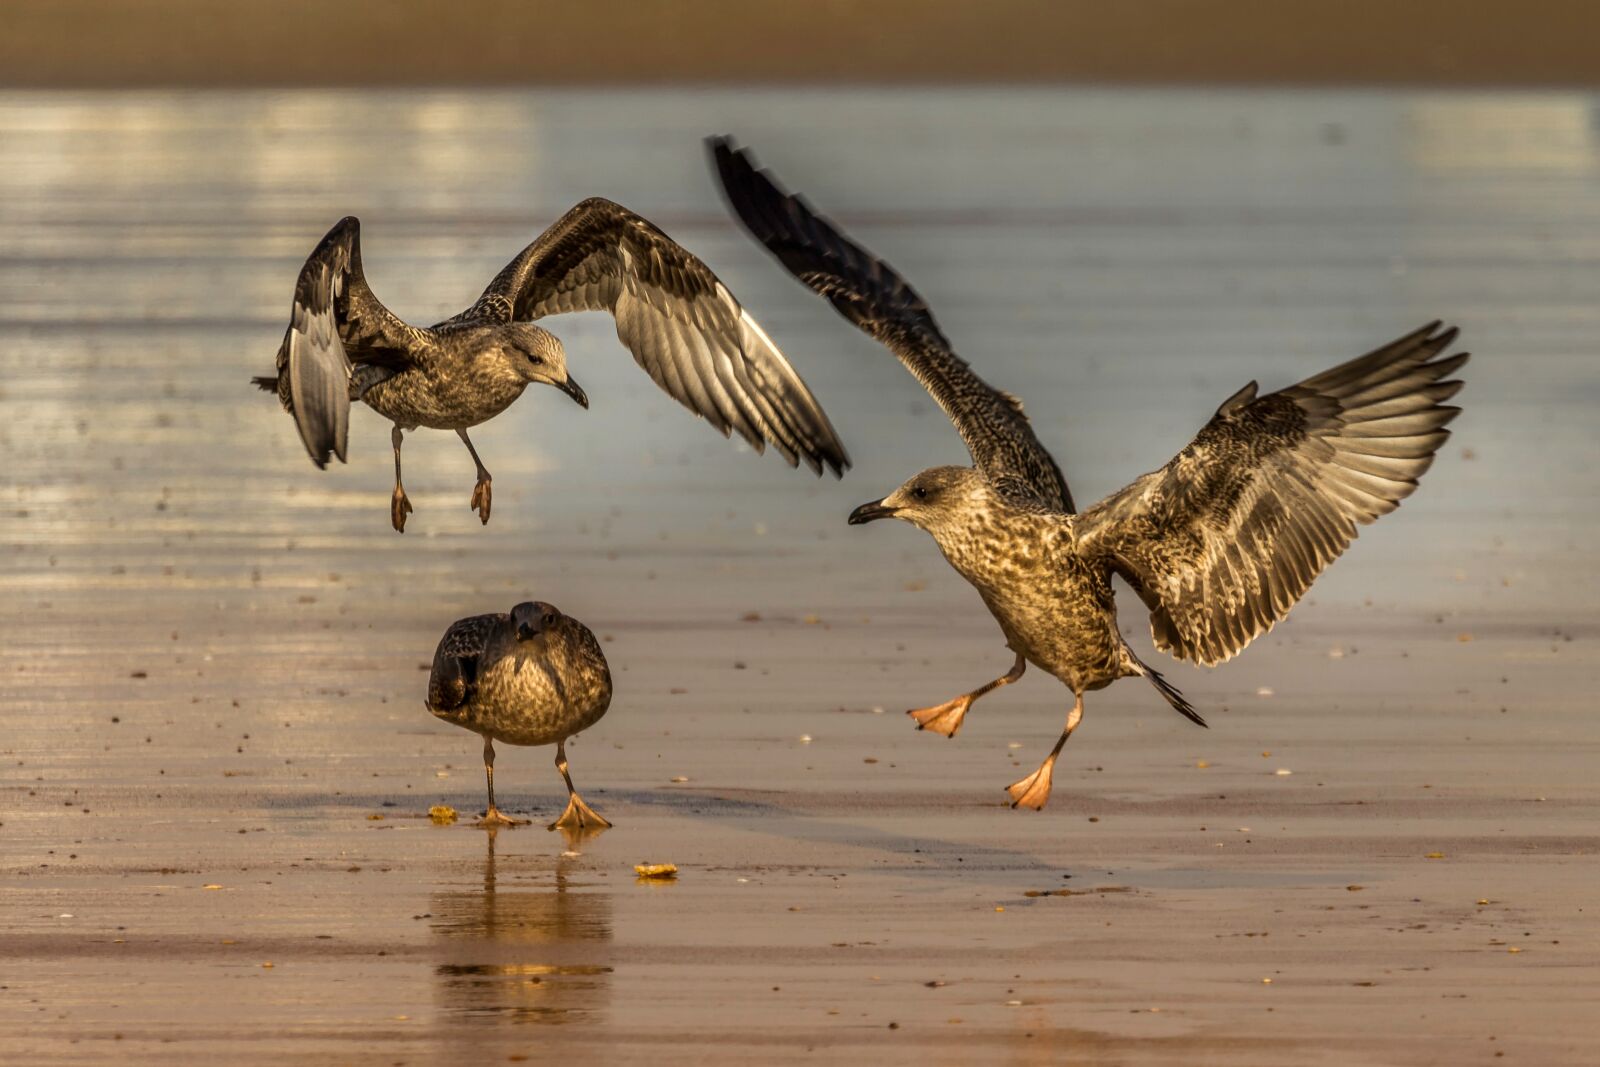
<point>455,664</point>
<point>870,294</point>
<point>335,319</point>
<point>1222,541</point>
<point>682,325</point>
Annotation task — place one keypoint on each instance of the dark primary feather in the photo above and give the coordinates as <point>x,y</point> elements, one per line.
<point>455,662</point>
<point>1170,693</point>
<point>335,320</point>
<point>682,325</point>
<point>870,294</point>
<point>1222,541</point>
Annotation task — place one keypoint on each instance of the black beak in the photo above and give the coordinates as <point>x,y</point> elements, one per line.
<point>527,631</point>
<point>870,511</point>
<point>572,389</point>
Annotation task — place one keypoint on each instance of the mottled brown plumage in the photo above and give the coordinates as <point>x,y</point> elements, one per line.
<point>1220,543</point>
<point>682,325</point>
<point>532,676</point>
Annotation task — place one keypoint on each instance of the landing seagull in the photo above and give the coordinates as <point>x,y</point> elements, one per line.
<point>1219,544</point>
<point>682,325</point>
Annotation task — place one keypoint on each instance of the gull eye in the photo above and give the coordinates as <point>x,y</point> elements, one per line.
<point>535,360</point>
<point>919,492</point>
<point>548,620</point>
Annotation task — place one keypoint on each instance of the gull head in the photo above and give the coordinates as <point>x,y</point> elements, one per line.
<point>537,355</point>
<point>533,619</point>
<point>937,499</point>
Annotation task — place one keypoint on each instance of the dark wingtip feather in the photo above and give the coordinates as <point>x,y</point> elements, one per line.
<point>265,384</point>
<point>1172,695</point>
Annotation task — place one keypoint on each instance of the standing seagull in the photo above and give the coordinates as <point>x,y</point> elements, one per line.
<point>681,324</point>
<point>1219,544</point>
<point>532,677</point>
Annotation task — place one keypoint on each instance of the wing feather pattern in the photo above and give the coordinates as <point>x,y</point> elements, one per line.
<point>682,325</point>
<point>1222,541</point>
<point>455,663</point>
<point>335,320</point>
<point>870,294</point>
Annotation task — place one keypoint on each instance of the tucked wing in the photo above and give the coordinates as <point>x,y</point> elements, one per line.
<point>1222,541</point>
<point>682,325</point>
<point>335,320</point>
<point>870,294</point>
<point>455,664</point>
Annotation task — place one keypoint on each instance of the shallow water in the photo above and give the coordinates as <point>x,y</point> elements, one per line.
<point>214,653</point>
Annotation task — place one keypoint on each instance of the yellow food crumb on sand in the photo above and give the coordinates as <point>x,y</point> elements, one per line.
<point>211,885</point>
<point>1435,856</point>
<point>656,870</point>
<point>374,818</point>
<point>443,814</point>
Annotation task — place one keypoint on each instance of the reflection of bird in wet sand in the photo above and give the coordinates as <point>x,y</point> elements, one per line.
<point>531,677</point>
<point>681,324</point>
<point>1219,544</point>
<point>535,949</point>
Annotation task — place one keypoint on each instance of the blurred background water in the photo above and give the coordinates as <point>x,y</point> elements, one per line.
<point>1123,260</point>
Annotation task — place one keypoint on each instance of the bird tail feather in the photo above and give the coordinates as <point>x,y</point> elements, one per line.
<point>1179,702</point>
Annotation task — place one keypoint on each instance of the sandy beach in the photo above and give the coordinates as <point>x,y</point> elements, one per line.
<point>217,765</point>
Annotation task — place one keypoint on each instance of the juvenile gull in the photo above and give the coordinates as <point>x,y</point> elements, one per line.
<point>1219,544</point>
<point>682,325</point>
<point>531,677</point>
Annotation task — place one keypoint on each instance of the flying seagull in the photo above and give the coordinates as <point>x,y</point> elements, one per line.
<point>1219,544</point>
<point>682,325</point>
<point>532,676</point>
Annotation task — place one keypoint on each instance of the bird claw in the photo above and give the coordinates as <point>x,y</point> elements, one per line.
<point>399,508</point>
<point>1034,790</point>
<point>945,718</point>
<point>493,820</point>
<point>482,495</point>
<point>580,816</point>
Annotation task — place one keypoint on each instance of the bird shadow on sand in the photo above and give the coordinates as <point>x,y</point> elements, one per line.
<point>792,822</point>
<point>765,814</point>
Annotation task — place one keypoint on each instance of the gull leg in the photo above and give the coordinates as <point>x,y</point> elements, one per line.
<point>1034,790</point>
<point>946,718</point>
<point>492,818</point>
<point>578,816</point>
<point>399,505</point>
<point>481,494</point>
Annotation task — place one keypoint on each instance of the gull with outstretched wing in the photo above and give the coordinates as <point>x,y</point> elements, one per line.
<point>1219,544</point>
<point>681,324</point>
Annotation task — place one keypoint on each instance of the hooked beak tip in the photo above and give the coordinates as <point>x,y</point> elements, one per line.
<point>575,391</point>
<point>870,511</point>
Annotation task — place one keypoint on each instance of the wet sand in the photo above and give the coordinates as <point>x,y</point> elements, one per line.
<point>215,756</point>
